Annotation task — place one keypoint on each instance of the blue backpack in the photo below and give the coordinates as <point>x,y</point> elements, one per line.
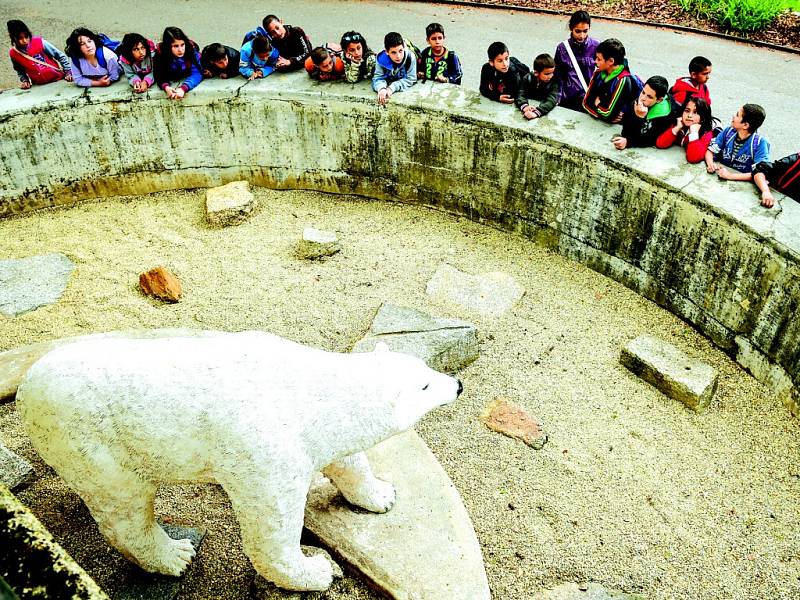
<point>112,45</point>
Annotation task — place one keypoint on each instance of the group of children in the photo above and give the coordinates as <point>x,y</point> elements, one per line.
<point>585,75</point>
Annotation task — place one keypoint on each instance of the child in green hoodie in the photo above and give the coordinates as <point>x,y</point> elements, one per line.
<point>648,116</point>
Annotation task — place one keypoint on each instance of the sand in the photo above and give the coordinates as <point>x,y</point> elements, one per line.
<point>632,491</point>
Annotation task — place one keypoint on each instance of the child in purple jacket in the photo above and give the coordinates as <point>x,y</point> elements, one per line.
<point>177,64</point>
<point>575,61</point>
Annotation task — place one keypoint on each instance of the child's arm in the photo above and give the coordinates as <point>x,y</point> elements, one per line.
<point>485,89</point>
<point>455,73</point>
<point>411,75</point>
<point>78,77</point>
<point>767,201</point>
<point>352,70</point>
<point>24,80</point>
<point>304,49</point>
<point>60,57</point>
<point>112,64</point>
<point>245,68</point>
<point>379,79</point>
<point>550,102</point>
<point>714,148</point>
<point>696,148</point>
<point>669,136</point>
<point>195,76</point>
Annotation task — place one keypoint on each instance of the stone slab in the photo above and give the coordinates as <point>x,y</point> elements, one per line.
<point>671,371</point>
<point>489,294</point>
<point>15,471</point>
<point>28,283</point>
<point>446,345</point>
<point>229,204</point>
<point>139,585</point>
<point>317,244</point>
<point>424,547</point>
<point>509,419</point>
<point>584,591</point>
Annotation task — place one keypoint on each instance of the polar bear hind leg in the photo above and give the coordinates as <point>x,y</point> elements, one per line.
<point>271,522</point>
<point>353,476</point>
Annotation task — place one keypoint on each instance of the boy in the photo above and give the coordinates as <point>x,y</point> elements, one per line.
<point>258,58</point>
<point>739,148</point>
<point>695,84</point>
<point>648,117</point>
<point>783,175</point>
<point>219,61</point>
<point>501,77</point>
<point>324,64</point>
<point>292,43</point>
<point>437,63</point>
<point>539,85</point>
<point>395,68</point>
<point>612,88</point>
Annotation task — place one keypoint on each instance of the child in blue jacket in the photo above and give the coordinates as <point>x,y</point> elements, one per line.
<point>257,58</point>
<point>177,64</point>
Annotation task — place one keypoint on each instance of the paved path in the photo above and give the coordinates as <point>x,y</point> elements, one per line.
<point>742,73</point>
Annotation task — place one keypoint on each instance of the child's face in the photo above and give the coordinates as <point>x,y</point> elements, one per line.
<point>545,75</point>
<point>221,64</point>
<point>690,115</point>
<point>580,32</point>
<point>23,40</point>
<point>501,62</point>
<point>605,65</point>
<point>354,50</point>
<point>87,46</point>
<point>436,42</point>
<point>178,48</point>
<point>648,97</point>
<point>139,52</point>
<point>326,66</point>
<point>396,53</point>
<point>276,30</point>
<point>737,123</point>
<point>701,76</point>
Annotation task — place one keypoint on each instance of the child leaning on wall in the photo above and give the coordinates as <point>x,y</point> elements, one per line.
<point>739,148</point>
<point>695,83</point>
<point>292,43</point>
<point>395,68</point>
<point>136,58</point>
<point>258,58</point>
<point>359,60</point>
<point>219,60</point>
<point>325,64</point>
<point>501,76</point>
<point>540,85</point>
<point>93,65</point>
<point>783,174</point>
<point>693,131</point>
<point>575,61</point>
<point>35,60</point>
<point>648,116</point>
<point>612,88</point>
<point>436,62</point>
<point>177,64</point>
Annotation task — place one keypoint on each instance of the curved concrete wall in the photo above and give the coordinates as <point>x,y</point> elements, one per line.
<point>703,249</point>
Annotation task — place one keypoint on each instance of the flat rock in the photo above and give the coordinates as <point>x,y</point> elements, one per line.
<point>28,283</point>
<point>490,294</point>
<point>140,585</point>
<point>584,591</point>
<point>446,345</point>
<point>229,204</point>
<point>317,244</point>
<point>424,547</point>
<point>161,283</point>
<point>509,419</point>
<point>15,363</point>
<point>671,371</point>
<point>15,471</point>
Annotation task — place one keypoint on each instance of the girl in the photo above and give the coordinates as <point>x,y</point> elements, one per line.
<point>136,57</point>
<point>359,60</point>
<point>325,63</point>
<point>177,64</point>
<point>34,59</point>
<point>93,65</point>
<point>693,131</point>
<point>575,61</point>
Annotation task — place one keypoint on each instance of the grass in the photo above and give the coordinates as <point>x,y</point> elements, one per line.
<point>740,15</point>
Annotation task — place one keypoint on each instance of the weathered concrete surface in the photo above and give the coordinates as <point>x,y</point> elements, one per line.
<point>671,371</point>
<point>588,591</point>
<point>701,248</point>
<point>316,244</point>
<point>31,282</point>
<point>229,204</point>
<point>15,471</point>
<point>31,561</point>
<point>424,548</point>
<point>446,345</point>
<point>489,294</point>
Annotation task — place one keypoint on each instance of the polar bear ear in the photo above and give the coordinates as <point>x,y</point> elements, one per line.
<point>381,347</point>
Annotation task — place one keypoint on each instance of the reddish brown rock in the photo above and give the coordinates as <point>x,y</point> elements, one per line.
<point>509,419</point>
<point>161,284</point>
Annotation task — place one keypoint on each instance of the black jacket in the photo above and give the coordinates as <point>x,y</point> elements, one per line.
<point>495,84</point>
<point>547,94</point>
<point>233,63</point>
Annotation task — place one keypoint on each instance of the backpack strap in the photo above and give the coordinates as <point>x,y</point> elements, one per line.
<point>575,65</point>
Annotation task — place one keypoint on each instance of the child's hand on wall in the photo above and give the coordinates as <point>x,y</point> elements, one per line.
<point>506,99</point>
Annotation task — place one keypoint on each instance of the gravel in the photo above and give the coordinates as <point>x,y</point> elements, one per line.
<point>632,491</point>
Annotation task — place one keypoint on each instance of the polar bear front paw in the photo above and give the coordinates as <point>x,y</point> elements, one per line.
<point>375,496</point>
<point>173,557</point>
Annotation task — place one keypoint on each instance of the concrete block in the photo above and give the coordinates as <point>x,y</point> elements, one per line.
<point>671,371</point>
<point>317,244</point>
<point>229,204</point>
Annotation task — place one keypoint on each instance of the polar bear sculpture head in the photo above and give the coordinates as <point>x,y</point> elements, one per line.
<point>422,389</point>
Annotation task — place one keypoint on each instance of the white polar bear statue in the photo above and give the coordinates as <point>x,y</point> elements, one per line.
<point>251,411</point>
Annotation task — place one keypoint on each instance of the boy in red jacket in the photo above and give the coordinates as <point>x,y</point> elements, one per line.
<point>695,83</point>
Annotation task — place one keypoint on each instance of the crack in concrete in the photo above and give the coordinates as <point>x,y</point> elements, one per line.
<point>410,331</point>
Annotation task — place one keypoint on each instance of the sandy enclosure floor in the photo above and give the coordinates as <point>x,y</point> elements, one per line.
<point>633,491</point>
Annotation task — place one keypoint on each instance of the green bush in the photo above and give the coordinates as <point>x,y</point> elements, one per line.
<point>738,15</point>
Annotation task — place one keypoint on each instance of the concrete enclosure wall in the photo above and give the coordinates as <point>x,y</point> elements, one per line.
<point>703,249</point>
